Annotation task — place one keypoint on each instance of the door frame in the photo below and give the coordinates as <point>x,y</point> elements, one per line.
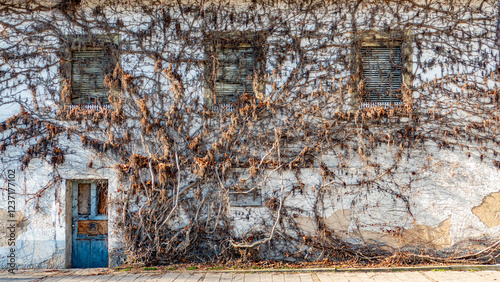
<point>71,202</point>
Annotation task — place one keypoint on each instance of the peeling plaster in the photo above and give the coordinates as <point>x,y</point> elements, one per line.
<point>489,210</point>
<point>21,225</point>
<point>431,237</point>
<point>420,235</point>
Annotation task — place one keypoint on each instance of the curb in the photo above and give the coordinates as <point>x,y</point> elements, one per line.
<point>480,267</point>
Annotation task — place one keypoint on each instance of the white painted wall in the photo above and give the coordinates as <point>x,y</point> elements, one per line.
<point>447,189</point>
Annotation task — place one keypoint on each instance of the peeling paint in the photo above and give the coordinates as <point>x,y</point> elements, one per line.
<point>339,221</point>
<point>489,210</point>
<point>420,235</point>
<point>432,237</point>
<point>20,221</point>
<point>54,261</point>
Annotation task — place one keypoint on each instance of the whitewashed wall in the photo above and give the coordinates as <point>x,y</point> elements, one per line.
<point>456,200</point>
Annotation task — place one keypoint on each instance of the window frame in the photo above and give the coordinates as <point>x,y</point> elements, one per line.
<point>217,41</point>
<point>402,39</point>
<point>71,44</point>
<point>94,198</point>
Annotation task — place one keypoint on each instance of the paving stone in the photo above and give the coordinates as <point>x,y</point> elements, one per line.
<point>111,279</point>
<point>143,278</point>
<point>411,276</point>
<point>441,275</point>
<point>195,277</point>
<point>99,275</point>
<point>92,278</point>
<point>291,277</point>
<point>100,278</point>
<point>390,276</point>
<point>467,276</point>
<point>306,277</point>
<point>212,277</point>
<point>49,279</point>
<point>351,276</point>
<point>266,277</point>
<point>184,276</point>
<point>239,277</point>
<point>252,277</point>
<point>364,276</point>
<point>226,277</point>
<point>487,275</point>
<point>278,277</point>
<point>168,277</point>
<point>338,277</point>
<point>69,278</point>
<point>377,276</point>
<point>21,279</point>
<point>154,277</point>
<point>324,277</point>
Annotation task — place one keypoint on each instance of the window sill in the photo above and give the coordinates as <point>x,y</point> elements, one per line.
<point>90,107</point>
<point>221,108</point>
<point>385,105</point>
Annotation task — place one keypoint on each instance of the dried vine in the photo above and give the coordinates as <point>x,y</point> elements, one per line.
<point>182,162</point>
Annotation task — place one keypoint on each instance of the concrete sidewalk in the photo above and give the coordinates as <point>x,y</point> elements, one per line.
<point>301,275</point>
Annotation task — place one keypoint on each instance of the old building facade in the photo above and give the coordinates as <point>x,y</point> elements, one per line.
<point>150,132</point>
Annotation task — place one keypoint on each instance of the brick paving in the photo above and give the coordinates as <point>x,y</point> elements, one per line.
<point>96,275</point>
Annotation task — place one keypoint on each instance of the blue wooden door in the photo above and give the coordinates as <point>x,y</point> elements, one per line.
<point>90,224</point>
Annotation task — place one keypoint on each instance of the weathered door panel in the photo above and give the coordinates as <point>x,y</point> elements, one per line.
<point>90,224</point>
<point>81,254</point>
<point>99,251</point>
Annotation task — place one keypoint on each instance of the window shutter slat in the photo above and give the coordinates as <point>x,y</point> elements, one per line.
<point>382,74</point>
<point>88,70</point>
<point>234,76</point>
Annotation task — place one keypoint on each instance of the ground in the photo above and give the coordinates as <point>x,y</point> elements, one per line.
<point>462,273</point>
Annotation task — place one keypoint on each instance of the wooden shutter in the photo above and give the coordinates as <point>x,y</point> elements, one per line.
<point>88,70</point>
<point>234,74</point>
<point>382,74</point>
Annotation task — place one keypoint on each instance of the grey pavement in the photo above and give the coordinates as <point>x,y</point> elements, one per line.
<point>95,275</point>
